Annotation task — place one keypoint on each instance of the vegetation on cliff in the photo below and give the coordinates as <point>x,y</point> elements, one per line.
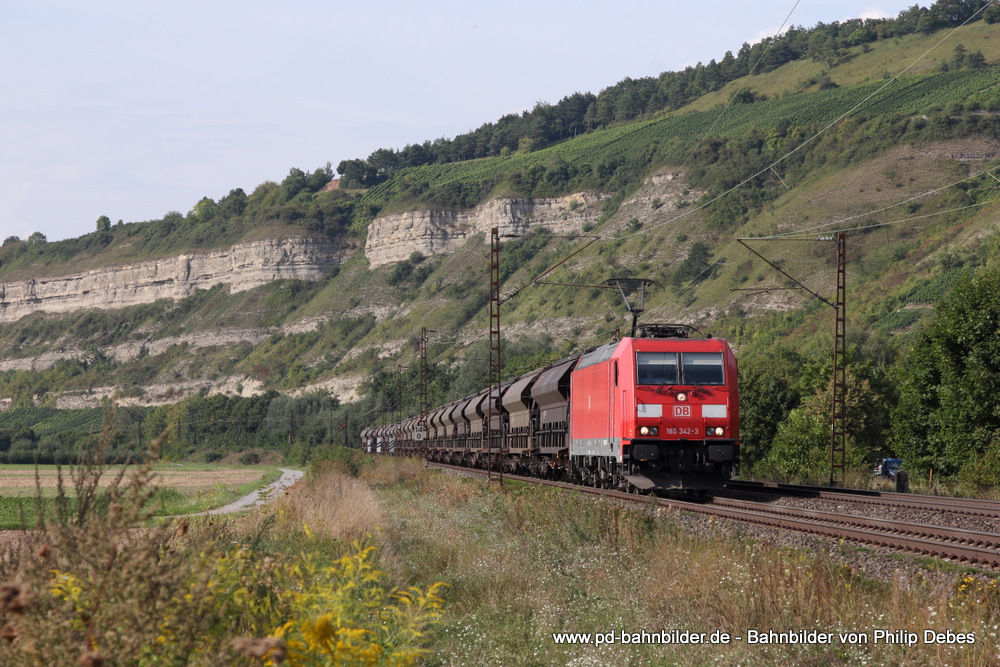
<point>830,45</point>
<point>297,206</point>
<point>822,138</point>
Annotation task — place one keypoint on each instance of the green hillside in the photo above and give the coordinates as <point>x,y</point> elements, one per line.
<point>656,141</point>
<point>816,145</point>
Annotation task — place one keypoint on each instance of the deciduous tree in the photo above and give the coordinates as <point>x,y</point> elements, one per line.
<point>948,414</point>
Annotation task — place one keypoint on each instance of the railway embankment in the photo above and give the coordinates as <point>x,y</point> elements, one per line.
<point>537,574</point>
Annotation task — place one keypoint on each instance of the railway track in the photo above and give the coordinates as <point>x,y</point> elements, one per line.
<point>966,506</point>
<point>968,546</point>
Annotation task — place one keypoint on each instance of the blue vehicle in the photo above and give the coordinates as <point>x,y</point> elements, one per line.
<point>888,468</point>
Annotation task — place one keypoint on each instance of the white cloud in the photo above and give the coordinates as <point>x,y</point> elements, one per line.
<point>875,13</point>
<point>769,32</point>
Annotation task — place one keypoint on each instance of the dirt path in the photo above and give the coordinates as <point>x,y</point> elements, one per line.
<point>287,479</point>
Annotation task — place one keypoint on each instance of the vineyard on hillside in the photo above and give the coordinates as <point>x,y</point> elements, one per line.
<point>954,92</point>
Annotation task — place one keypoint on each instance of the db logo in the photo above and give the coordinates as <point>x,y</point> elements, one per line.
<point>682,411</point>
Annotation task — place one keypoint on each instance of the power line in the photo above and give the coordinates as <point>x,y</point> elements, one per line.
<point>808,141</point>
<point>770,167</point>
<point>743,84</point>
<point>909,200</point>
<point>511,295</point>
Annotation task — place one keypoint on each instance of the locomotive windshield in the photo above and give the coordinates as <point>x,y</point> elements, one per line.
<point>656,367</point>
<point>702,368</point>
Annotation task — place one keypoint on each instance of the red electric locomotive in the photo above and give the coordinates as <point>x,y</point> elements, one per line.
<point>660,410</point>
<point>657,411</point>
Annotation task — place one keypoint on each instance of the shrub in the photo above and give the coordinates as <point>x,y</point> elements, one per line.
<point>344,614</point>
<point>249,458</point>
<point>94,584</point>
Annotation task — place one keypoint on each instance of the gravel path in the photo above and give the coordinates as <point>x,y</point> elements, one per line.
<point>276,489</point>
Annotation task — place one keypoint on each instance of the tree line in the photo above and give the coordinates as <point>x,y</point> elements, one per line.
<point>931,403</point>
<point>630,99</point>
<point>300,200</point>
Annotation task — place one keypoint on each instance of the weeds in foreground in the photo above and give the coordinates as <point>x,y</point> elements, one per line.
<point>345,614</point>
<point>104,584</point>
<point>99,582</point>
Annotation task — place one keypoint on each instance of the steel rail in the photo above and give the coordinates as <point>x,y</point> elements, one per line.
<point>894,526</point>
<point>927,546</point>
<point>970,506</point>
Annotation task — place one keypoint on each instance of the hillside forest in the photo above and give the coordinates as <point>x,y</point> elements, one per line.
<point>783,141</point>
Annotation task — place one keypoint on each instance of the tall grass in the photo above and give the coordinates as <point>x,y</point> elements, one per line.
<point>332,504</point>
<point>99,581</point>
<point>524,563</point>
<point>301,582</point>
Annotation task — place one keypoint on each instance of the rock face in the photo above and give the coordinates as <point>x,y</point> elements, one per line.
<point>393,238</point>
<point>242,267</point>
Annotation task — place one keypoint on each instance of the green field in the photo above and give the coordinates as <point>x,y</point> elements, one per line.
<point>183,488</point>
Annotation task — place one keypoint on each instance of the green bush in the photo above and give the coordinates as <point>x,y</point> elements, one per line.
<point>249,458</point>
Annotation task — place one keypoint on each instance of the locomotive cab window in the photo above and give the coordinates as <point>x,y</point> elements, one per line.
<point>703,368</point>
<point>656,367</point>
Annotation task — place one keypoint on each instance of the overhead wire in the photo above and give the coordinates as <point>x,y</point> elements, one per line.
<point>903,202</point>
<point>771,167</point>
<point>914,218</point>
<point>606,237</point>
<point>743,84</point>
<point>746,80</point>
<point>713,265</point>
<point>815,136</point>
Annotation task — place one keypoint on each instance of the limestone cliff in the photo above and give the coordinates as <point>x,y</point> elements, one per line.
<point>242,267</point>
<point>393,238</point>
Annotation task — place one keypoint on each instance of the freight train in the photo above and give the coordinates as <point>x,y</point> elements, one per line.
<point>656,411</point>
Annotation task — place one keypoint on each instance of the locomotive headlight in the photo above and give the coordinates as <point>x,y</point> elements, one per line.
<point>718,430</point>
<point>682,396</point>
<point>648,430</point>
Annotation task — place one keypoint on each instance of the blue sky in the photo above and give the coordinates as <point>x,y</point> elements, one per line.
<point>132,109</point>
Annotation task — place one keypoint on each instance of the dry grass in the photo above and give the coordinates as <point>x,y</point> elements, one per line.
<point>332,504</point>
<point>390,471</point>
<point>756,587</point>
<point>525,563</point>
